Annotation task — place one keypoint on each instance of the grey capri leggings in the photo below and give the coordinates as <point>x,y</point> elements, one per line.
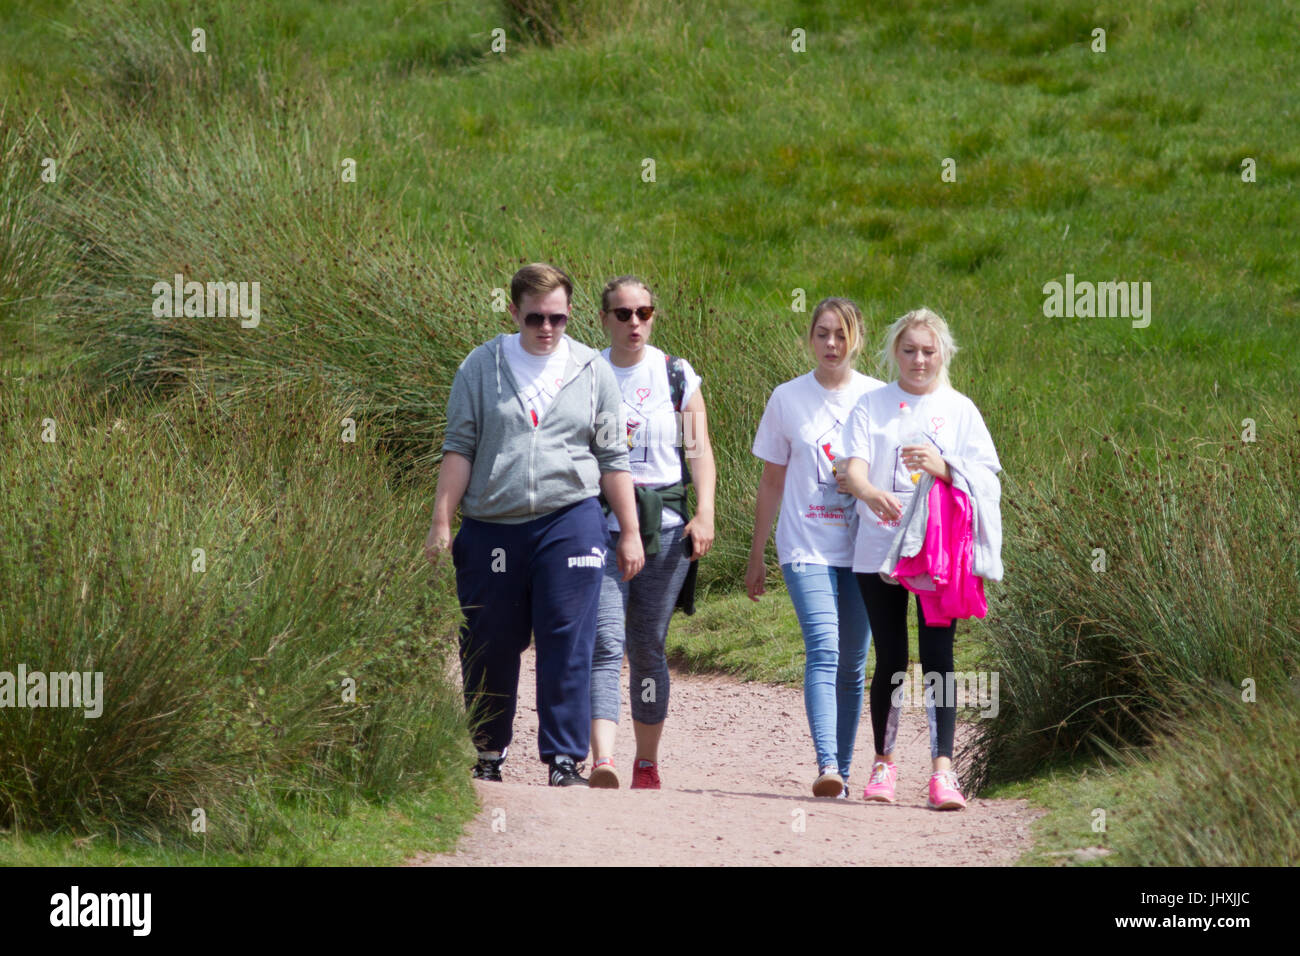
<point>634,615</point>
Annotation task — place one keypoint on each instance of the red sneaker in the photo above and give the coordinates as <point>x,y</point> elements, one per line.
<point>603,776</point>
<point>645,775</point>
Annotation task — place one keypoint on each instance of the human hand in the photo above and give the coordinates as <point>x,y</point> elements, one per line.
<point>883,504</point>
<point>631,555</point>
<point>700,530</point>
<point>755,577</point>
<point>927,458</point>
<point>437,543</point>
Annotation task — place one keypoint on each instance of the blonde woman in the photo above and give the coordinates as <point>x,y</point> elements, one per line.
<point>918,348</point>
<point>799,442</point>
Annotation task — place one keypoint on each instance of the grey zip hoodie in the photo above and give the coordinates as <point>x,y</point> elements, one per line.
<point>520,472</point>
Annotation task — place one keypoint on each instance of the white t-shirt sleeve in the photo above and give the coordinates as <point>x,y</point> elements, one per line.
<point>978,446</point>
<point>692,384</point>
<point>856,440</point>
<point>771,443</point>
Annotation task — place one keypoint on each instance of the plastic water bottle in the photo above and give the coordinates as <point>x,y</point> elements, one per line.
<point>910,432</point>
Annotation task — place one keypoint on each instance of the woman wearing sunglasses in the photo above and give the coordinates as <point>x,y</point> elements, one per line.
<point>657,390</point>
<point>533,435</point>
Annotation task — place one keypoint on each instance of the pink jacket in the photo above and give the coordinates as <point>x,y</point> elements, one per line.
<point>941,571</point>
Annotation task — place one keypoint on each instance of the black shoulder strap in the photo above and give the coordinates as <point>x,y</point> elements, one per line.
<point>676,380</point>
<point>677,388</point>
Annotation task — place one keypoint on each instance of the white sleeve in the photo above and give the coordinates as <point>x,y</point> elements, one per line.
<point>771,442</point>
<point>693,382</point>
<point>978,443</point>
<point>856,440</point>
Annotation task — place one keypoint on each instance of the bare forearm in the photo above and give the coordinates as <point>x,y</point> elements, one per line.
<point>698,449</point>
<point>855,478</point>
<point>619,492</point>
<point>769,502</point>
<point>453,479</point>
<point>705,478</point>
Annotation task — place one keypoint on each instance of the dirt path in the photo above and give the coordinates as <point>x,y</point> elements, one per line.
<point>737,767</point>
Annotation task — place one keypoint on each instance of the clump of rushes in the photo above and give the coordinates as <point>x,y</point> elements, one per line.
<point>30,253</point>
<point>223,689</point>
<point>1222,785</point>
<point>345,297</point>
<point>1198,593</point>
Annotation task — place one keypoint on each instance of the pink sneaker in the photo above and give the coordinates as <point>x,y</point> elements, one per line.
<point>944,792</point>
<point>645,775</point>
<point>884,778</point>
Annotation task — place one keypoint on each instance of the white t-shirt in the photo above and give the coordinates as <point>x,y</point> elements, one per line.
<point>949,419</point>
<point>801,429</point>
<point>652,423</point>
<point>539,377</point>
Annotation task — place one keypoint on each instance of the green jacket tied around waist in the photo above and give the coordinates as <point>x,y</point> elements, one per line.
<point>650,504</point>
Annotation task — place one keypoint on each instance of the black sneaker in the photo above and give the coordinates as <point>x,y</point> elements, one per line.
<point>565,774</point>
<point>488,769</point>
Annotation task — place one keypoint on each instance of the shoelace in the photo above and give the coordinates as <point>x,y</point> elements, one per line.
<point>563,768</point>
<point>948,779</point>
<point>879,774</point>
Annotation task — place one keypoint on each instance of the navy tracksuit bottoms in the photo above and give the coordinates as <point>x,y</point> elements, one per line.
<point>541,577</point>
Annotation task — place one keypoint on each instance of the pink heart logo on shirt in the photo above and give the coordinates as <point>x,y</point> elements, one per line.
<point>641,395</point>
<point>559,382</point>
<point>937,423</point>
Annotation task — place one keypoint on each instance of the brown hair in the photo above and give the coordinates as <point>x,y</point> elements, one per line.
<point>614,285</point>
<point>539,278</point>
<point>850,316</point>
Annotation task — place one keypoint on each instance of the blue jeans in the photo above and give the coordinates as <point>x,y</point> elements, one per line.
<point>836,635</point>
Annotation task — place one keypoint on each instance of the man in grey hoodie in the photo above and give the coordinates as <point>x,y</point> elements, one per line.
<point>534,434</point>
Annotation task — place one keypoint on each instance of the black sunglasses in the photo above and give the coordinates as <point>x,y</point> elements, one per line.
<point>645,313</point>
<point>535,320</point>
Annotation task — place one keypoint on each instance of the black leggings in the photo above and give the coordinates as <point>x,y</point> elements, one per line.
<point>887,611</point>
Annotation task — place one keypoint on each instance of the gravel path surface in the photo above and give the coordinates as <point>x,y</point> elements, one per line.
<point>737,766</point>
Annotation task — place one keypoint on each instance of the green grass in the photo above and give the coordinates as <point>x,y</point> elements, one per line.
<point>761,641</point>
<point>223,672</point>
<point>1179,580</point>
<point>370,834</point>
<point>1069,797</point>
<point>1215,790</point>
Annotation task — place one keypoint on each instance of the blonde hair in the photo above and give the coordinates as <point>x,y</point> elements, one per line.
<point>613,285</point>
<point>921,318</point>
<point>539,278</point>
<point>850,316</point>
